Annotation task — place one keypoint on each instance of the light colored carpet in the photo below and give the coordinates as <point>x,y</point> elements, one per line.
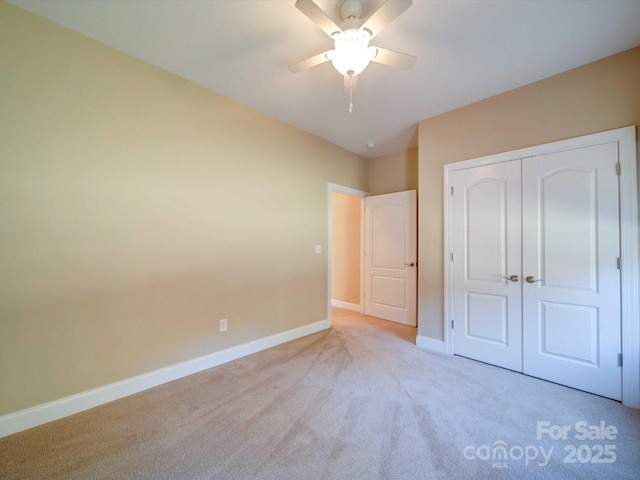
<point>359,401</point>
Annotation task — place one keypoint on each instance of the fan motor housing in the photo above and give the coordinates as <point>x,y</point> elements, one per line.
<point>350,9</point>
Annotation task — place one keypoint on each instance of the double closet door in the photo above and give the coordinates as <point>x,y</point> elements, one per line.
<point>536,279</point>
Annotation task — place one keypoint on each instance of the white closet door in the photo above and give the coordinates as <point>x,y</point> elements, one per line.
<point>571,245</point>
<point>487,308</point>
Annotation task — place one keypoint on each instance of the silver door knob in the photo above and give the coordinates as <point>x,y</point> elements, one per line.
<point>412,264</point>
<point>531,279</point>
<point>512,278</point>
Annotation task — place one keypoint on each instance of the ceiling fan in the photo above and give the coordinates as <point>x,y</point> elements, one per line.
<point>352,53</point>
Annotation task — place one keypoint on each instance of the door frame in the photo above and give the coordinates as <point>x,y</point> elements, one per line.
<point>331,188</point>
<point>630,275</point>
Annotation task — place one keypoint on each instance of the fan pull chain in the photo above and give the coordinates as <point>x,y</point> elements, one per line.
<point>350,94</point>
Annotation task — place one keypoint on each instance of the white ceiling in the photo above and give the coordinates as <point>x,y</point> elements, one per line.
<point>467,51</point>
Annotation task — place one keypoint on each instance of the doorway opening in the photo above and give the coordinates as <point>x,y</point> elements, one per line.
<point>372,253</point>
<point>345,248</point>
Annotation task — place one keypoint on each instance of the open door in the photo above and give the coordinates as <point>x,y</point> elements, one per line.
<point>390,257</point>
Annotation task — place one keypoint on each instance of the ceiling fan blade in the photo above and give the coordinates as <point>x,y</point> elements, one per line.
<point>350,83</point>
<point>317,16</point>
<point>309,62</point>
<point>394,59</point>
<point>387,13</point>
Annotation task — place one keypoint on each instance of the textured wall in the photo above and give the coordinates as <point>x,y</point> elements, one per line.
<point>596,97</point>
<point>137,210</point>
<point>396,172</point>
<point>345,247</point>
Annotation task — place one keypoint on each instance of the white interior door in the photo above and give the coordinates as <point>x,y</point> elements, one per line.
<point>487,308</point>
<point>552,220</point>
<point>570,252</point>
<point>391,257</point>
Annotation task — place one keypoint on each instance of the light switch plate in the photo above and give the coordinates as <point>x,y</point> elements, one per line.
<point>318,249</point>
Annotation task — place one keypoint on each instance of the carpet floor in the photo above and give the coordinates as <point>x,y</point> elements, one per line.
<point>357,401</point>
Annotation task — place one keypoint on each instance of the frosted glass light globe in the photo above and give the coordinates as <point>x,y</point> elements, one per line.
<point>352,52</point>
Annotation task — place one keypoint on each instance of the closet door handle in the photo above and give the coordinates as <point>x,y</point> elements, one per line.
<point>531,279</point>
<point>412,264</point>
<point>512,278</point>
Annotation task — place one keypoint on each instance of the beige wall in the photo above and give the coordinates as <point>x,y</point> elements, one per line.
<point>139,209</point>
<point>396,172</point>
<point>600,96</point>
<point>345,248</point>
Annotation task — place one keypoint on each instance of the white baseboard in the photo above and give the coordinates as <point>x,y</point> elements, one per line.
<point>57,409</point>
<point>430,344</point>
<point>346,305</point>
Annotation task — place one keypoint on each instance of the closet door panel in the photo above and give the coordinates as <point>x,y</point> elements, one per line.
<point>487,308</point>
<point>571,288</point>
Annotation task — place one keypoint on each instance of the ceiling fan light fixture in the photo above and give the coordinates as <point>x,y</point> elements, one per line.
<point>352,52</point>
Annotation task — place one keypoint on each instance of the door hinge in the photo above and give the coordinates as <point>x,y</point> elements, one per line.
<point>452,257</point>
<point>619,359</point>
<point>619,263</point>
<point>451,324</point>
<point>618,168</point>
<point>451,190</point>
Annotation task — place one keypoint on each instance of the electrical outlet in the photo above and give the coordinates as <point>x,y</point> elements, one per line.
<point>223,325</point>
